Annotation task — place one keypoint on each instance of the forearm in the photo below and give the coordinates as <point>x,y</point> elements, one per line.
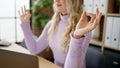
<point>77,51</point>
<point>34,46</point>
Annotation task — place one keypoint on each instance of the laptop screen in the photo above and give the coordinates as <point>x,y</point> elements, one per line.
<point>10,59</point>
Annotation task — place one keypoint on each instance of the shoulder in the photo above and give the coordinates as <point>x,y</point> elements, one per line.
<point>48,25</point>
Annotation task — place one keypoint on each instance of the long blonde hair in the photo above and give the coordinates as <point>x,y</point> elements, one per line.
<point>74,9</point>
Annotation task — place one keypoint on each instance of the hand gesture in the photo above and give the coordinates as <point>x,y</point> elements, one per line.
<point>25,15</point>
<point>84,27</point>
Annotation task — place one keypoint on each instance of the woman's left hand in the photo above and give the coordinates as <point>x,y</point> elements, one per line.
<point>84,27</point>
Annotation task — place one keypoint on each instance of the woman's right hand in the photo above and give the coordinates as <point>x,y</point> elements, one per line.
<point>25,15</point>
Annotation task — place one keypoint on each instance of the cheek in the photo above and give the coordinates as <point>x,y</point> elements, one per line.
<point>63,3</point>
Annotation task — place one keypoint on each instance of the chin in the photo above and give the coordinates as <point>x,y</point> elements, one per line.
<point>59,9</point>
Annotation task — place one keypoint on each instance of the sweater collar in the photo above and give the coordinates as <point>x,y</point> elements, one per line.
<point>64,18</point>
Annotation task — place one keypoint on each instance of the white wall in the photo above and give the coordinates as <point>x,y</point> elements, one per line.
<point>10,29</point>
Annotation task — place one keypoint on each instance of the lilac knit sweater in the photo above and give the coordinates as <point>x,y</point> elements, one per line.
<point>75,56</point>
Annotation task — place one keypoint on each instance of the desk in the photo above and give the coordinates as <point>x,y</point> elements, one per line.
<point>43,63</point>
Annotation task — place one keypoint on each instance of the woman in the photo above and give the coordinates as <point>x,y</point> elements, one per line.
<point>67,34</point>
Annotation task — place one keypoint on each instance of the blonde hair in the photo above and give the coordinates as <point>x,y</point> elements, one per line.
<point>74,9</point>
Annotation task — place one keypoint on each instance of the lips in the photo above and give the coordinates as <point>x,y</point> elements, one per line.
<point>58,5</point>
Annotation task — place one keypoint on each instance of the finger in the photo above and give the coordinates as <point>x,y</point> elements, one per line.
<point>27,11</point>
<point>93,16</point>
<point>22,11</point>
<point>97,20</point>
<point>19,12</point>
<point>24,7</point>
<point>99,17</point>
<point>83,16</point>
<point>93,26</point>
<point>92,19</point>
<point>97,12</point>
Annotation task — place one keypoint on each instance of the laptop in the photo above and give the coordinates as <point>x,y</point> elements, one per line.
<point>10,59</point>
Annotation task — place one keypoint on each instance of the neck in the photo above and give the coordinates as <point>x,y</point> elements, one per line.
<point>64,13</point>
